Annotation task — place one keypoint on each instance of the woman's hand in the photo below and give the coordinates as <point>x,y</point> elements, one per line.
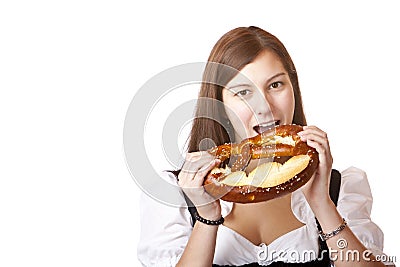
<point>201,245</point>
<point>191,178</point>
<point>316,190</point>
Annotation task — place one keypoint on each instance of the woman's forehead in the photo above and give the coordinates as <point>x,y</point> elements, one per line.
<point>264,68</point>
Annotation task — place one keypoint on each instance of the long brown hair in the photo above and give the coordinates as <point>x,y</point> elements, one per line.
<point>236,49</point>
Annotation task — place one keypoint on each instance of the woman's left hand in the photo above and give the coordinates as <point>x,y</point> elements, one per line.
<point>316,190</point>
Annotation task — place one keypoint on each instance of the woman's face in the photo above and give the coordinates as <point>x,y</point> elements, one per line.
<point>264,99</point>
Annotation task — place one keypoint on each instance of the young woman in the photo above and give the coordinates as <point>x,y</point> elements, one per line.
<point>279,232</point>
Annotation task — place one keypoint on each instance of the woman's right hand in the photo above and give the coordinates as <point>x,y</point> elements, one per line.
<point>191,178</point>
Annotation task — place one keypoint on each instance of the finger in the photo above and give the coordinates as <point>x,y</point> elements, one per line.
<point>307,130</point>
<point>198,157</point>
<point>196,173</point>
<point>200,175</point>
<point>198,196</point>
<point>194,188</point>
<point>196,161</point>
<point>311,127</point>
<point>318,146</point>
<point>316,138</point>
<point>315,134</point>
<point>325,157</point>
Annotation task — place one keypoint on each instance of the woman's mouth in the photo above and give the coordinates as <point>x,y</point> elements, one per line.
<point>262,127</point>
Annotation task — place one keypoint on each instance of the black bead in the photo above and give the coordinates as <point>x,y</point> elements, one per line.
<point>209,222</point>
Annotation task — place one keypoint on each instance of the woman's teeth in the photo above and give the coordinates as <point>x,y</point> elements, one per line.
<point>262,127</point>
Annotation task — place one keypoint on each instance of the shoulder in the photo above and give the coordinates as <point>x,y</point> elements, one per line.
<point>355,192</point>
<point>354,183</point>
<point>353,172</point>
<point>355,205</point>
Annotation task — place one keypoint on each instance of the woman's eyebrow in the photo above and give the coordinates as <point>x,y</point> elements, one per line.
<point>275,76</point>
<point>238,85</point>
<point>251,85</point>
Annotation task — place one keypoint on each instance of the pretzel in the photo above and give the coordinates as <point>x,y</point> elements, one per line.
<point>268,180</point>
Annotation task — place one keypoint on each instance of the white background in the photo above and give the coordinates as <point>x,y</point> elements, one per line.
<point>69,69</point>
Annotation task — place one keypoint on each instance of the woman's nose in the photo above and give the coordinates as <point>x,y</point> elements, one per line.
<point>262,106</point>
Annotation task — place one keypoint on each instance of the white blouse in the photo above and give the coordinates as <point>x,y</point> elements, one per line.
<point>165,230</point>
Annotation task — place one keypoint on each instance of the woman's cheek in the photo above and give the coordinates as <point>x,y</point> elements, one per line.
<point>243,116</point>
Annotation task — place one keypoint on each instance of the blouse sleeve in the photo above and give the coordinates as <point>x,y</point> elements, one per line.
<point>355,204</point>
<point>165,230</point>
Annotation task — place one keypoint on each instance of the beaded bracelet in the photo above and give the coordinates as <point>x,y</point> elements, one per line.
<point>334,232</point>
<point>209,222</point>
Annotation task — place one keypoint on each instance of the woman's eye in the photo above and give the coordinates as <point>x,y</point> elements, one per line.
<point>275,85</point>
<point>242,92</point>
